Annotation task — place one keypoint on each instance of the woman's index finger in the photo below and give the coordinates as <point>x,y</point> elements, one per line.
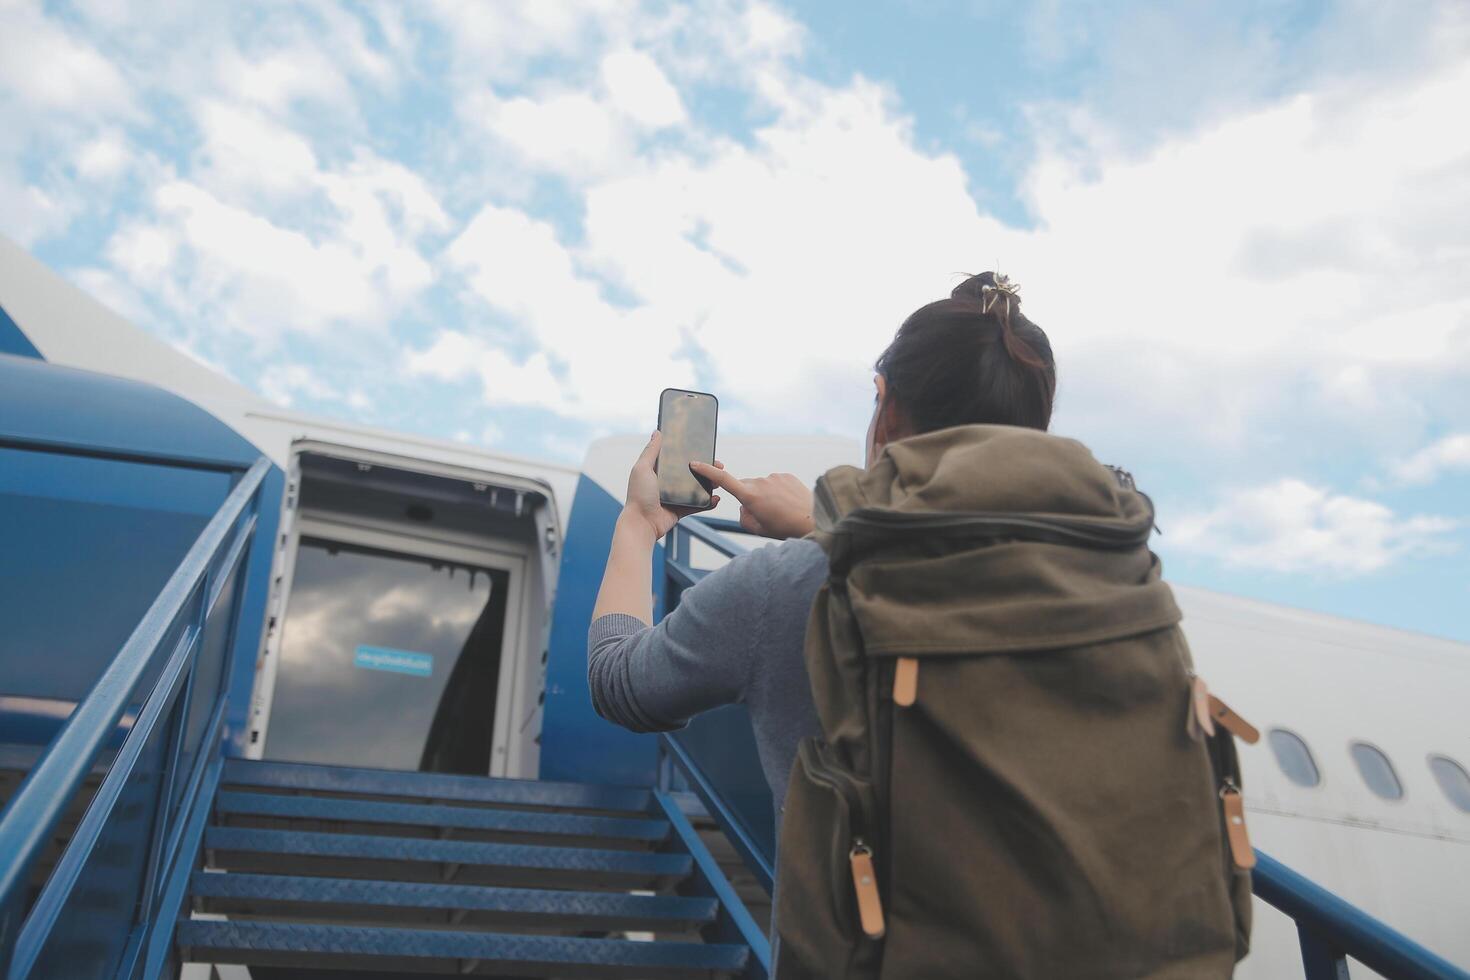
<point>720,478</point>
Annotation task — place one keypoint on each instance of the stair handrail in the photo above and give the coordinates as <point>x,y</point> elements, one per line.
<point>717,807</point>
<point>680,574</point>
<point>32,815</point>
<point>1329,929</point>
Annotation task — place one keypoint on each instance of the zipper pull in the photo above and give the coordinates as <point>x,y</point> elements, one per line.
<point>1240,842</point>
<point>1199,723</point>
<point>905,682</point>
<point>1233,723</point>
<point>865,883</point>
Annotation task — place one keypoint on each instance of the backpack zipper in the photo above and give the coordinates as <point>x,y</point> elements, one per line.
<point>865,884</point>
<point>1069,531</point>
<point>1240,843</point>
<point>860,852</point>
<point>828,775</point>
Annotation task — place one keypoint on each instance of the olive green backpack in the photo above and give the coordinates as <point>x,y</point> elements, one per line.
<point>1019,774</point>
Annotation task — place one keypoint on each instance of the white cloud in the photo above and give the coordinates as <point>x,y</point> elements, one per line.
<point>261,277</point>
<point>104,157</point>
<point>45,65</point>
<point>1195,282</point>
<point>455,356</point>
<point>283,77</point>
<point>351,259</point>
<point>282,383</point>
<point>57,92</point>
<point>792,260</point>
<point>615,360</point>
<point>1190,288</point>
<point>582,133</point>
<point>1293,526</point>
<point>585,124</point>
<point>568,133</point>
<point>1449,454</point>
<point>1313,230</point>
<point>390,190</point>
<point>640,90</point>
<point>31,212</point>
<point>244,152</point>
<point>497,40</point>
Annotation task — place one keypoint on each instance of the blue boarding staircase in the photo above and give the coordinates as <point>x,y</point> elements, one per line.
<point>133,845</point>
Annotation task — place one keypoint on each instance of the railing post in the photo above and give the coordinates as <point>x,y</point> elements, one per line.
<point>170,780</point>
<point>733,923</point>
<point>10,915</point>
<point>665,768</point>
<point>1320,959</point>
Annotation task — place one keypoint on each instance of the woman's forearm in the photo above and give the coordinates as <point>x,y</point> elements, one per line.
<point>627,583</point>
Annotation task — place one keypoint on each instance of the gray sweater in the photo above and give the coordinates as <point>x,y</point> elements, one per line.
<point>736,636</point>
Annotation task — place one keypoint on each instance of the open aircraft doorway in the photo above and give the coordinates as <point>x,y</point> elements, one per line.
<point>408,623</point>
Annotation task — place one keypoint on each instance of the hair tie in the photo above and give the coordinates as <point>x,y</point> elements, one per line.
<point>1001,287</point>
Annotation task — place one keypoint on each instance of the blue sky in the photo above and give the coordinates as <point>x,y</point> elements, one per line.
<point>1243,226</point>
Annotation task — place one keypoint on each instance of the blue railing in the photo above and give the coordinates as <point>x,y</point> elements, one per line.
<point>109,904</point>
<point>1330,930</point>
<point>733,924</point>
<point>719,741</point>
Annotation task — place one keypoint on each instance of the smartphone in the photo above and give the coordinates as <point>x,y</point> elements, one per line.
<point>687,421</point>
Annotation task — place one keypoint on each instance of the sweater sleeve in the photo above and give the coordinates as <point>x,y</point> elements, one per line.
<point>700,656</point>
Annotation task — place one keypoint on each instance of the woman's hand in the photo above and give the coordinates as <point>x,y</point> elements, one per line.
<point>642,503</point>
<point>776,506</point>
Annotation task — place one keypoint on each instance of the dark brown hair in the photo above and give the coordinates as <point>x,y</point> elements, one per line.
<point>971,359</point>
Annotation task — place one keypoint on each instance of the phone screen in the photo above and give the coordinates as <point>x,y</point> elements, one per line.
<point>687,421</point>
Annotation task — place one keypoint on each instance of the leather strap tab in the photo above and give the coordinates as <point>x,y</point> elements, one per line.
<point>1232,722</point>
<point>865,883</point>
<point>906,682</point>
<point>1199,723</point>
<point>1240,842</point>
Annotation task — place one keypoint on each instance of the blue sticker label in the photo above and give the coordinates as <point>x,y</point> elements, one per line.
<point>394,661</point>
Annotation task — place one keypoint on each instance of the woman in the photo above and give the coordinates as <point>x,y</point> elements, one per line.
<point>737,635</point>
<point>970,672</point>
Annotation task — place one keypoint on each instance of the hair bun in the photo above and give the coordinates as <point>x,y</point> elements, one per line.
<point>1000,299</point>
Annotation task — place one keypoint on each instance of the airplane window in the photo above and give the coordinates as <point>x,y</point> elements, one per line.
<point>1377,771</point>
<point>1453,779</point>
<point>1294,757</point>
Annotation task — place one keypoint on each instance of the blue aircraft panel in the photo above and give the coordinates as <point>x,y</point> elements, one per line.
<point>104,485</point>
<point>46,404</point>
<point>88,543</point>
<point>577,745</point>
<point>13,340</point>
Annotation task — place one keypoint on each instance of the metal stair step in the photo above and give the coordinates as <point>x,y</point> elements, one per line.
<point>232,803</point>
<point>281,896</point>
<point>435,786</point>
<point>417,858</point>
<point>366,949</point>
